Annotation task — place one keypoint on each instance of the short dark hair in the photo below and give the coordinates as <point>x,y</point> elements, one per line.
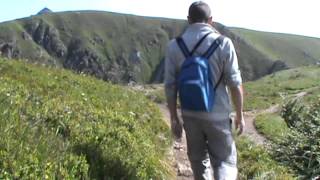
<point>199,11</point>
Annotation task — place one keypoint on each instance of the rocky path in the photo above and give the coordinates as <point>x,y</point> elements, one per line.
<point>182,164</point>
<point>250,116</point>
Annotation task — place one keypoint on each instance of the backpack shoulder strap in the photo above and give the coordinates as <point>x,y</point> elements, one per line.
<point>199,43</point>
<point>219,81</point>
<point>210,51</point>
<point>183,47</point>
<point>213,47</point>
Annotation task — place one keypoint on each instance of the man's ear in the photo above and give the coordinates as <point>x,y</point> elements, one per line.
<point>210,21</point>
<point>189,20</point>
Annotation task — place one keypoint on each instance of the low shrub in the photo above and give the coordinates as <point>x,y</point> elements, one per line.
<point>256,163</point>
<point>301,149</point>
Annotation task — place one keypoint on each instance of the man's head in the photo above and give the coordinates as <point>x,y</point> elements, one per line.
<point>199,12</point>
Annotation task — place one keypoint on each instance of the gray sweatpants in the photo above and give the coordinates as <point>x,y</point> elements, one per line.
<point>211,142</point>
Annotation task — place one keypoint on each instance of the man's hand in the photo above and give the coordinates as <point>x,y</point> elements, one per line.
<point>237,98</point>
<point>176,127</point>
<point>240,123</point>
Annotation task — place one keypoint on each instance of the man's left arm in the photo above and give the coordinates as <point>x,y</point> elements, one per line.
<point>237,99</point>
<point>234,82</point>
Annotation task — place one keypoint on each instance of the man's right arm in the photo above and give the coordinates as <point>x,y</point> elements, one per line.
<point>171,92</point>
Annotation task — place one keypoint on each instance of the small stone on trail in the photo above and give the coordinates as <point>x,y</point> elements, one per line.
<point>184,170</point>
<point>178,146</point>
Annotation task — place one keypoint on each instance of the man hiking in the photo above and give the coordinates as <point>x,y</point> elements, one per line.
<point>199,66</point>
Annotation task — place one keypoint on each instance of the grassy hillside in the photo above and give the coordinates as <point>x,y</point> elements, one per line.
<point>122,48</point>
<point>282,86</point>
<point>292,49</point>
<point>114,47</point>
<point>56,124</point>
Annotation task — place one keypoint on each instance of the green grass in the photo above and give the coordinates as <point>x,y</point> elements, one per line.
<point>56,124</point>
<point>312,96</point>
<point>280,86</point>
<point>254,162</point>
<point>272,126</point>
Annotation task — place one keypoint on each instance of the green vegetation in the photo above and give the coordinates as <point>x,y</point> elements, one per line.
<point>293,136</point>
<point>301,147</point>
<point>311,96</point>
<point>272,126</point>
<point>280,86</point>
<point>114,47</point>
<point>256,163</point>
<point>291,49</point>
<point>64,126</point>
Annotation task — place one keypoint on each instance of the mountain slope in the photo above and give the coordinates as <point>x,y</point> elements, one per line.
<point>110,46</point>
<point>122,48</point>
<point>291,49</point>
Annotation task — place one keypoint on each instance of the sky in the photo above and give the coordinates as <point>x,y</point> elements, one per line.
<point>285,16</point>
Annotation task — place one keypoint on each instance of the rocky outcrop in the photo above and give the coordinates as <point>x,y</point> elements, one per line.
<point>278,66</point>
<point>158,75</point>
<point>47,37</point>
<point>9,50</point>
<point>26,36</point>
<point>135,57</point>
<point>83,60</point>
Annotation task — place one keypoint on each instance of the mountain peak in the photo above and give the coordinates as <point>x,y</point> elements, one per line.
<point>44,11</point>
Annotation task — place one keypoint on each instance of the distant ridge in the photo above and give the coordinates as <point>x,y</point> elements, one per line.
<point>122,48</point>
<point>44,11</point>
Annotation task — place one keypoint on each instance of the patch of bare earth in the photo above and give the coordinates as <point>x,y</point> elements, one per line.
<point>250,129</point>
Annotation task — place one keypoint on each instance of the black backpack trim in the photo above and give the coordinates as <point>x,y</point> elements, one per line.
<point>184,47</point>
<point>213,47</point>
<point>199,43</point>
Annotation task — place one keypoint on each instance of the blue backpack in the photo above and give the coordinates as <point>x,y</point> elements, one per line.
<point>195,86</point>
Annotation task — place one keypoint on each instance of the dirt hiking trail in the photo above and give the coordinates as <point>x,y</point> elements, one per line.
<point>182,165</point>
